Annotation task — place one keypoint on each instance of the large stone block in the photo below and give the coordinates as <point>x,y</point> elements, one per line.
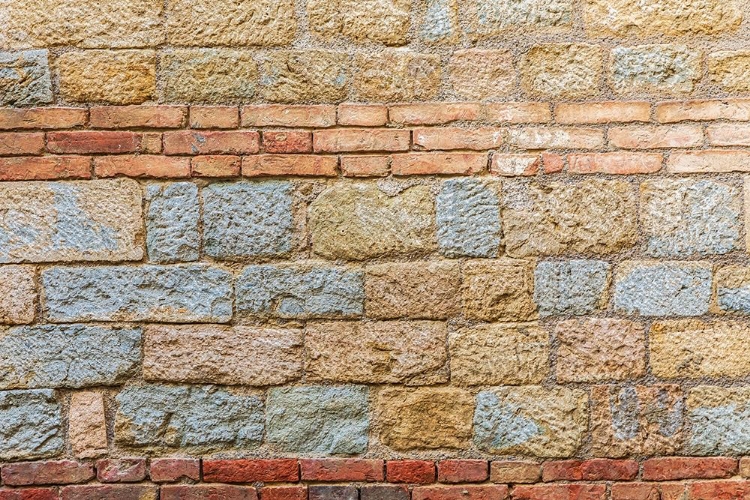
<point>562,70</point>
<point>192,418</point>
<point>572,287</point>
<point>482,74</point>
<point>498,290</point>
<point>659,69</point>
<point>172,294</point>
<point>318,419</point>
<point>407,352</point>
<point>67,356</point>
<point>396,76</point>
<point>30,425</point>
<point>304,76</point>
<point>87,424</point>
<point>531,420</point>
<point>440,23</point>
<point>733,289</point>
<point>172,222</point>
<point>236,355</point>
<point>730,69</point>
<point>488,18</point>
<point>24,78</point>
<point>384,21</point>
<point>18,294</point>
<point>719,421</point>
<point>70,221</point>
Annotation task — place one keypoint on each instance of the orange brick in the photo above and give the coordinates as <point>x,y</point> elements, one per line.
<point>137,116</point>
<point>703,110</point>
<point>360,140</point>
<point>434,113</point>
<point>341,469</point>
<point>410,471</point>
<point>557,138</point>
<point>602,112</point>
<point>215,166</point>
<point>560,492</point>
<point>21,143</point>
<point>512,471</point>
<point>458,138</point>
<point>220,142</point>
<point>719,490</point>
<point>365,166</point>
<point>44,168</point>
<point>286,492</point>
<point>287,141</point>
<point>614,163</point>
<point>363,115</point>
<point>463,471</point>
<point>710,160</point>
<point>142,166</point>
<point>635,491</point>
<point>302,165</point>
<point>42,118</point>
<point>598,469</point>
<point>728,134</point>
<point>518,112</point>
<point>656,136</point>
<point>279,115</point>
<point>511,165</point>
<point>84,142</point>
<point>438,163</point>
<point>214,116</point>
<point>553,163</point>
<point>469,492</point>
<point>151,143</point>
<point>677,468</point>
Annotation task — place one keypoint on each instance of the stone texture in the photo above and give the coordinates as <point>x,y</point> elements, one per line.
<point>658,69</point>
<point>87,426</point>
<point>231,22</point>
<point>18,294</point>
<point>498,290</point>
<point>30,425</point>
<point>595,350</point>
<point>172,222</point>
<point>531,420</point>
<point>396,76</point>
<point>440,23</point>
<point>733,289</point>
<point>730,70</point>
<point>247,219</point>
<point>383,21</point>
<point>67,356</point>
<point>719,419</point>
<point>663,288</point>
<point>685,217</point>
<point>482,74</point>
<point>426,290</point>
<point>318,419</point>
<point>499,354</point>
<point>24,78</point>
<point>572,287</point>
<point>304,76</point>
<point>300,291</point>
<point>468,218</point>
<point>561,70</point>
<point>197,418</point>
<point>236,355</point>
<point>425,418</point>
<point>70,221</point>
<point>359,221</point>
<point>384,352</point>
<point>172,294</point>
<point>489,18</point>
<point>208,75</point>
<point>116,77</point>
<point>594,216</point>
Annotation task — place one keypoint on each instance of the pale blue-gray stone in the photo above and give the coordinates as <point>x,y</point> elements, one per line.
<point>495,17</point>
<point>663,289</point>
<point>30,425</point>
<point>199,417</point>
<point>247,219</point>
<point>174,294</point>
<point>25,78</point>
<point>318,419</point>
<point>499,426</point>
<point>468,219</point>
<point>570,287</point>
<point>300,292</point>
<point>734,299</point>
<point>720,430</point>
<point>649,68</point>
<point>172,222</point>
<point>439,21</point>
<point>67,356</point>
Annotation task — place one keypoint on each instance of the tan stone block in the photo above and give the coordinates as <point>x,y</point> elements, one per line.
<point>561,70</point>
<point>18,294</point>
<point>499,354</point>
<point>234,355</point>
<point>304,76</point>
<point>424,418</point>
<point>384,21</point>
<point>87,427</point>
<point>117,77</point>
<point>396,76</point>
<point>730,70</point>
<point>499,290</point>
<point>482,74</point>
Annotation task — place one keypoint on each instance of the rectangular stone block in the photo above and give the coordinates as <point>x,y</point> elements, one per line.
<point>656,69</point>
<point>719,419</point>
<point>24,77</point>
<point>733,289</point>
<point>728,69</point>
<point>384,21</point>
<point>172,221</point>
<point>574,287</point>
<point>496,17</point>
<point>304,76</point>
<point>498,290</point>
<point>18,294</point>
<point>561,70</point>
<point>468,218</point>
<point>481,74</point>
<point>87,424</point>
<point>394,76</point>
<point>30,425</point>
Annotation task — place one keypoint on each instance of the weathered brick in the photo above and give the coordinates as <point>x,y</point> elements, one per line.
<point>496,17</point>
<point>215,166</point>
<point>561,70</point>
<point>553,163</point>
<point>725,134</point>
<point>597,469</point>
<point>172,222</point>
<point>121,470</point>
<point>110,492</point>
<point>438,163</point>
<point>410,471</point>
<point>137,116</point>
<point>513,471</point>
<point>42,118</point>
<point>614,163</point>
<point>295,492</point>
<point>384,21</point>
<point>29,494</point>
<point>518,112</point>
<point>282,141</point>
<point>30,425</point>
<point>21,143</point>
<point>207,492</point>
<point>365,166</point>
<point>60,472</point>
<point>560,492</point>
<point>360,140</point>
<point>304,76</point>
<point>384,492</point>
<point>86,142</point>
<point>323,492</point>
<point>732,286</point>
<point>250,471</point>
<point>658,69</point>
<point>433,113</point>
<point>498,290</point>
<point>463,471</point>
<point>214,117</point>
<point>169,470</point>
<point>396,76</point>
<point>447,138</point>
<point>656,136</point>
<point>729,69</point>
<point>717,417</point>
<point>341,469</point>
<point>24,76</point>
<point>87,426</point>
<point>573,287</point>
<point>362,115</point>
<point>148,166</point>
<point>469,492</point>
<point>636,491</point>
<point>674,468</point>
<point>217,142</point>
<point>556,138</point>
<point>697,110</point>
<point>482,73</point>
<point>512,165</point>
<point>292,164</point>
<point>708,490</point>
<point>708,161</point>
<point>277,115</point>
<point>602,112</point>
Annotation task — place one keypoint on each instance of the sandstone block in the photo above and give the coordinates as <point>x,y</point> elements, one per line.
<point>87,426</point>
<point>497,17</point>
<point>730,70</point>
<point>384,21</point>
<point>304,76</point>
<point>172,222</point>
<point>24,77</point>
<point>18,294</point>
<point>719,418</point>
<point>482,74</point>
<point>396,76</point>
<point>561,70</point>
<point>440,23</point>
<point>657,69</point>
<point>498,290</point>
<point>733,289</point>
<point>30,425</point>
<point>573,287</point>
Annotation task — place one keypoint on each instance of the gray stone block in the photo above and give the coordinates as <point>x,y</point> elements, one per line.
<point>573,287</point>
<point>25,78</point>
<point>172,222</point>
<point>30,425</point>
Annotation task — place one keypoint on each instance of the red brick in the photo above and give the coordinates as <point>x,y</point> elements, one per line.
<point>656,136</point>
<point>21,143</point>
<point>42,118</point>
<point>438,163</point>
<point>517,112</point>
<point>302,165</point>
<point>410,471</point>
<point>719,490</point>
<point>673,491</point>
<point>560,492</point>
<point>279,115</point>
<point>110,492</point>
<point>121,470</point>
<point>341,469</point>
<point>29,494</point>
<point>365,166</point>
<point>573,113</point>
<point>84,142</point>
<point>360,140</point>
<point>511,165</point>
<point>614,163</point>
<point>248,471</point>
<point>214,116</point>
<point>207,492</point>
<point>463,471</point>
<point>553,163</point>
<point>187,142</point>
<point>635,491</point>
<point>709,160</point>
<point>728,134</point>
<point>287,141</point>
<point>556,138</point>
<point>599,469</point>
<point>215,166</point>
<point>469,492</point>
<point>703,110</point>
<point>295,492</point>
<point>137,116</point>
<point>434,113</point>
<point>142,166</point>
<point>44,168</point>
<point>448,138</point>
<point>52,472</point>
<point>675,468</point>
<point>362,115</point>
<point>166,470</point>
<point>510,471</point>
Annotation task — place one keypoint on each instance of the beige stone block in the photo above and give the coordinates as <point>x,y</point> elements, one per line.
<point>383,21</point>
<point>499,290</point>
<point>482,74</point>
<point>561,70</point>
<point>18,294</point>
<point>304,76</point>
<point>396,76</point>
<point>87,427</point>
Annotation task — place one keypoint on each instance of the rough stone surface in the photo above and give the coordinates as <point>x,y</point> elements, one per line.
<point>300,291</point>
<point>18,294</point>
<point>403,352</point>
<point>318,419</point>
<point>683,217</point>
<point>416,290</point>
<point>70,221</point>
<point>304,76</point>
<point>30,425</point>
<point>719,419</point>
<point>197,293</point>
<point>24,78</point>
<point>730,69</point>
<point>359,221</point>
<point>733,289</point>
<point>87,429</point>
<point>199,418</point>
<point>243,355</point>
<point>662,288</point>
<point>384,21</point>
<point>595,350</point>
<point>396,76</point>
<point>531,420</point>
<point>482,74</point>
<point>499,354</point>
<point>247,219</point>
<point>172,222</point>
<point>573,287</point>
<point>489,18</point>
<point>468,218</point>
<point>425,418</point>
<point>592,216</point>
<point>670,69</point>
<point>498,290</point>
<point>67,356</point>
<point>440,23</point>
<point>561,70</point>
